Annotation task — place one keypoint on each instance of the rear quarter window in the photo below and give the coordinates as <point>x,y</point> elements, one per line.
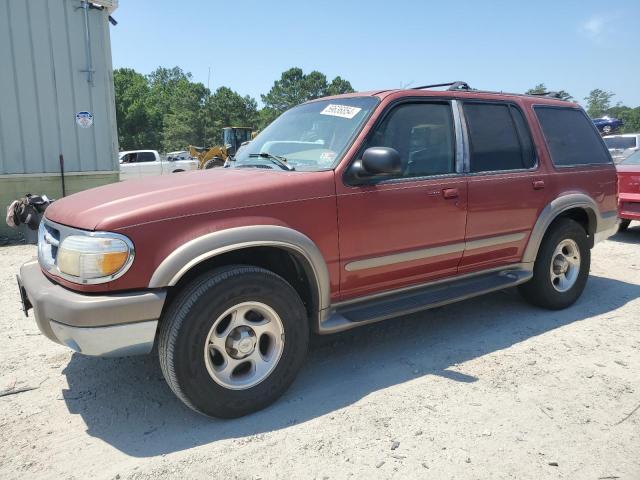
<point>146,157</point>
<point>571,137</point>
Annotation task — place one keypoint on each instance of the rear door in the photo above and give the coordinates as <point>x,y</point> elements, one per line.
<point>149,164</point>
<point>408,229</point>
<point>506,185</point>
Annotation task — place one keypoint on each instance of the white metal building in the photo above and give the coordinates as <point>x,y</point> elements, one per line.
<point>56,98</point>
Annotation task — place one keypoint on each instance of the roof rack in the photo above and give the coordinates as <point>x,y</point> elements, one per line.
<point>452,86</point>
<point>547,94</point>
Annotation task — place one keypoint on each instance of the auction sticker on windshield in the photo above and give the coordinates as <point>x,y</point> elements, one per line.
<point>344,111</point>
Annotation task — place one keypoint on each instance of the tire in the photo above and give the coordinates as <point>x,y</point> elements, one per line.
<point>202,376</point>
<point>213,163</point>
<point>607,129</point>
<point>624,224</point>
<point>565,240</point>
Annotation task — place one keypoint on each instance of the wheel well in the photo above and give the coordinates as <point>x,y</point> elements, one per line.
<point>291,266</point>
<point>585,217</point>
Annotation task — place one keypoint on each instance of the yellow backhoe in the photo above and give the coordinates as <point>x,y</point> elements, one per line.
<point>233,138</point>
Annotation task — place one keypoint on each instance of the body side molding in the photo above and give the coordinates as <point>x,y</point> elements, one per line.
<point>181,260</point>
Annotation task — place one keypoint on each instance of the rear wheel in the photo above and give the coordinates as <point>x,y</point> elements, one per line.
<point>624,224</point>
<point>562,267</point>
<point>233,341</point>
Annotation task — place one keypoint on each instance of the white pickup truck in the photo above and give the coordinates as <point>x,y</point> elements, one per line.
<point>144,163</point>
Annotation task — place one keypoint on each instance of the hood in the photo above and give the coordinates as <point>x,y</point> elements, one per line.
<point>132,202</point>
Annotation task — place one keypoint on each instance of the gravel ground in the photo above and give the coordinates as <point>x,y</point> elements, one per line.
<point>487,388</point>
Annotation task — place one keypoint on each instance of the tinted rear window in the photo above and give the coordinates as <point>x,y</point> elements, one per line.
<point>571,137</point>
<point>620,142</point>
<point>498,137</point>
<point>146,157</point>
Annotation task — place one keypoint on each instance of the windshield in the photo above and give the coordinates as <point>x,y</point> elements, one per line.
<point>632,159</point>
<point>620,142</point>
<point>312,136</point>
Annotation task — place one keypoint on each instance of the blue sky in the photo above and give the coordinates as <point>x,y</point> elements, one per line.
<point>500,45</point>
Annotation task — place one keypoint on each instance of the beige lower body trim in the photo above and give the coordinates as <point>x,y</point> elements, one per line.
<point>432,252</point>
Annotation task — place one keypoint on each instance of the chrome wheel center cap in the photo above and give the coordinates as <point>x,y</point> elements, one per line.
<point>241,342</point>
<point>560,265</point>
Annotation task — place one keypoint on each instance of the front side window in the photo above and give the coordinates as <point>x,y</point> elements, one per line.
<point>312,136</point>
<point>424,136</point>
<point>571,137</point>
<point>498,138</point>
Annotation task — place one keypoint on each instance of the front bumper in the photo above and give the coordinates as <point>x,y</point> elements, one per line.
<point>117,324</point>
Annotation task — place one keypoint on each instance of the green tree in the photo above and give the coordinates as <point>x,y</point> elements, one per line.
<point>541,89</point>
<point>183,123</point>
<point>598,102</point>
<point>294,88</point>
<point>226,108</point>
<point>132,103</point>
<point>339,86</point>
<point>630,116</point>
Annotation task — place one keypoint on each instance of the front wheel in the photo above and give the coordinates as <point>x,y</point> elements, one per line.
<point>233,341</point>
<point>561,268</point>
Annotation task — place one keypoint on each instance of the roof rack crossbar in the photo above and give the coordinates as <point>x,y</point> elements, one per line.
<point>452,86</point>
<point>547,94</point>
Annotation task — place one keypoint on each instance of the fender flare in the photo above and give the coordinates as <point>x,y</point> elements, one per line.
<point>555,208</point>
<point>195,251</point>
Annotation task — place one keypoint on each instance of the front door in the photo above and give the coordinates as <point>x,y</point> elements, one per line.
<point>409,229</point>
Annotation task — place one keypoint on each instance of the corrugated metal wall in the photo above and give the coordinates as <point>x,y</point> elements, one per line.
<point>42,53</point>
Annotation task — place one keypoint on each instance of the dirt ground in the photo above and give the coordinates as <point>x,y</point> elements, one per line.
<point>488,388</point>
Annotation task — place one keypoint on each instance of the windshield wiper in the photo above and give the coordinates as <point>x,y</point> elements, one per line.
<point>279,161</point>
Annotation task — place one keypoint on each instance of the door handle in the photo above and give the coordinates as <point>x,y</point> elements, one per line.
<point>450,193</point>
<point>538,184</point>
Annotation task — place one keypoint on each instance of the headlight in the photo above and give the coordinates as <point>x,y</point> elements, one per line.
<point>94,259</point>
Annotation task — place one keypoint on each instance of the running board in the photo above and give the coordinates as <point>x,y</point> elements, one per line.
<point>354,314</point>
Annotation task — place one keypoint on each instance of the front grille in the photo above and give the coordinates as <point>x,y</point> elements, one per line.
<point>48,243</point>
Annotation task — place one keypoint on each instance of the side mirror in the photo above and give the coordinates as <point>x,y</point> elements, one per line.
<point>376,162</point>
<point>381,161</point>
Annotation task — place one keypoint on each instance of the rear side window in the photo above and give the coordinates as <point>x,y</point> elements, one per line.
<point>146,157</point>
<point>499,138</point>
<point>571,137</point>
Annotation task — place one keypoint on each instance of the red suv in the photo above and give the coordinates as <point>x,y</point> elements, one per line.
<point>344,211</point>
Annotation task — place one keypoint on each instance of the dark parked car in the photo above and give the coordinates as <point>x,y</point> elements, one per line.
<point>607,125</point>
